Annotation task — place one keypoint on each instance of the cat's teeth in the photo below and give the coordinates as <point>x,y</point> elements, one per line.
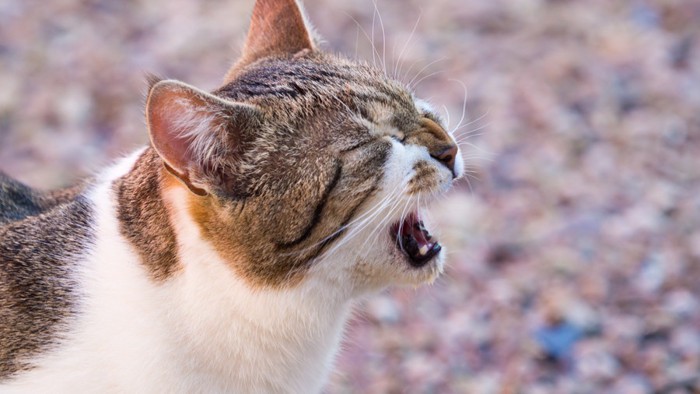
<point>423,250</point>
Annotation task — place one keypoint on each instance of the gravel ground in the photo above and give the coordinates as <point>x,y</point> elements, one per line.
<point>574,247</point>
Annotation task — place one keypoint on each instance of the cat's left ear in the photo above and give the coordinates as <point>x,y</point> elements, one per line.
<point>277,27</point>
<point>198,135</point>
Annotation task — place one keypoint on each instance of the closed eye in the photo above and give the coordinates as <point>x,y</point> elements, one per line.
<point>398,138</point>
<point>359,145</point>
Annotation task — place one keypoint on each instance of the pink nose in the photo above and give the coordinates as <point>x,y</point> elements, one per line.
<point>447,157</point>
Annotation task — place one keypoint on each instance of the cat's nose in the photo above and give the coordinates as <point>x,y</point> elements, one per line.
<point>447,156</point>
<point>444,149</point>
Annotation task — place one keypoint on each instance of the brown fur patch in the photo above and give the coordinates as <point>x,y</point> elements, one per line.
<point>424,178</point>
<point>143,216</point>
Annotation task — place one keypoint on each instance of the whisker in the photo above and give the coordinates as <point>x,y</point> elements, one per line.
<point>469,144</point>
<point>413,86</point>
<point>388,216</point>
<point>447,115</point>
<point>374,16</point>
<point>366,217</point>
<point>381,225</point>
<point>384,201</point>
<point>383,222</point>
<point>364,32</point>
<point>463,136</point>
<point>472,135</point>
<point>469,184</point>
<point>464,102</point>
<point>405,45</point>
<point>460,126</point>
<point>357,40</point>
<point>358,230</point>
<point>399,239</point>
<point>421,70</point>
<point>377,207</point>
<point>381,24</point>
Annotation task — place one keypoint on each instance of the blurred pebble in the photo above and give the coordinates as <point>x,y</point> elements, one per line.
<point>557,340</point>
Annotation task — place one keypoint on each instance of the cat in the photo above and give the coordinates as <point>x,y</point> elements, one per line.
<point>226,255</point>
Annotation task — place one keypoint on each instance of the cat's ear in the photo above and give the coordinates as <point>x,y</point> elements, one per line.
<point>198,135</point>
<point>277,27</point>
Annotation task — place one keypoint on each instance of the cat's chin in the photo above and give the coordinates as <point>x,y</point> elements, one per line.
<point>416,275</point>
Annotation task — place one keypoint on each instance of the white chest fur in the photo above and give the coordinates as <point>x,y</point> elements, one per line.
<point>203,330</point>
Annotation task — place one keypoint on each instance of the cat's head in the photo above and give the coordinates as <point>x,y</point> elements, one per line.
<point>305,164</point>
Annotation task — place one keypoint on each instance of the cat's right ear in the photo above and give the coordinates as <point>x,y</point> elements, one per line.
<point>277,27</point>
<point>198,135</point>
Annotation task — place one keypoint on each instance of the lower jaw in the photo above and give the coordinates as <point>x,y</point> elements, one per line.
<point>427,273</point>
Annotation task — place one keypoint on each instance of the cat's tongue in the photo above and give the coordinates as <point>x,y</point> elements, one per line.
<point>414,240</point>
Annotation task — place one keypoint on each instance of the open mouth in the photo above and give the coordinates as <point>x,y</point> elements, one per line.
<point>414,240</point>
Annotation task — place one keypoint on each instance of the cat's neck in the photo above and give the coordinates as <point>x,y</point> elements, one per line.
<point>222,326</point>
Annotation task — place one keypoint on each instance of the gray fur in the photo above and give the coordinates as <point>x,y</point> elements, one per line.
<point>18,201</point>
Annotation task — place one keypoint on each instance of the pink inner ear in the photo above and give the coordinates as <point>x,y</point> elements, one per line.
<point>194,132</point>
<point>166,129</point>
<point>277,27</point>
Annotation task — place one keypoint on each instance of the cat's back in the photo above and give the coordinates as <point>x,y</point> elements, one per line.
<point>18,201</point>
<point>42,235</point>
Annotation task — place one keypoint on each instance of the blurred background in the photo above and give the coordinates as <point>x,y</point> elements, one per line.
<point>574,244</point>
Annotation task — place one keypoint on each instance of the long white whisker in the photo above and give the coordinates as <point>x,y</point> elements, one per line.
<point>422,70</point>
<point>405,45</point>
<point>469,144</point>
<point>447,115</point>
<point>381,24</point>
<point>367,222</point>
<point>374,17</point>
<point>375,208</point>
<point>402,220</point>
<point>382,224</point>
<point>472,134</point>
<point>366,218</point>
<point>357,40</point>
<point>469,123</point>
<point>350,111</point>
<point>414,85</point>
<point>357,230</point>
<point>369,215</point>
<point>464,102</point>
<point>364,32</point>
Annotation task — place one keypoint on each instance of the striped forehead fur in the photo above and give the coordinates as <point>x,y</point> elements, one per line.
<point>312,78</point>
